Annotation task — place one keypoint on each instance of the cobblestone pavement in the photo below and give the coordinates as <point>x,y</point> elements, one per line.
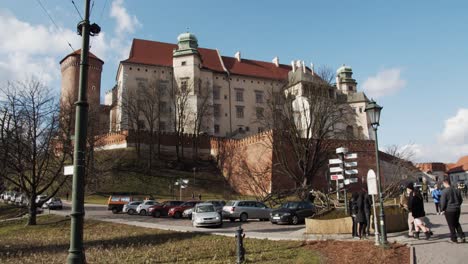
<point>438,249</point>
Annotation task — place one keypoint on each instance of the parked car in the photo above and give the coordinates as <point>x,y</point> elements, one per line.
<point>40,199</point>
<point>142,208</point>
<point>293,212</point>
<point>21,199</point>
<point>12,197</point>
<point>131,207</point>
<point>218,204</point>
<point>188,213</point>
<point>177,211</point>
<point>244,210</point>
<point>162,209</point>
<point>53,203</point>
<point>205,214</point>
<point>117,202</point>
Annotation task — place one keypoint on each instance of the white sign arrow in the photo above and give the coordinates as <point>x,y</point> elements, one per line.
<point>353,180</point>
<point>335,161</point>
<point>350,156</point>
<point>350,172</point>
<point>336,169</point>
<point>68,170</point>
<point>351,164</point>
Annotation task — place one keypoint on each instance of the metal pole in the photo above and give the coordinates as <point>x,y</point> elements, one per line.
<point>344,183</point>
<point>76,253</point>
<point>383,231</point>
<point>240,245</point>
<point>376,226</point>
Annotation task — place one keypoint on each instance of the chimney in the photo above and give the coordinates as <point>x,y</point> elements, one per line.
<point>303,67</point>
<point>293,65</point>
<point>238,56</point>
<point>298,64</point>
<point>276,61</point>
<point>312,68</point>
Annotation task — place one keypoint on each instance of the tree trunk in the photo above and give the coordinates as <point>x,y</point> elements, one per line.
<point>32,211</point>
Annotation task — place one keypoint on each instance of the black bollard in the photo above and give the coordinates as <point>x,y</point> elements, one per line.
<point>240,245</point>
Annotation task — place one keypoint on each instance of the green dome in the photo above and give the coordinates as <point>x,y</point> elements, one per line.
<point>344,68</point>
<point>187,36</point>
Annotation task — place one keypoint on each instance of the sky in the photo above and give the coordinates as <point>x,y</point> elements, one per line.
<point>410,56</point>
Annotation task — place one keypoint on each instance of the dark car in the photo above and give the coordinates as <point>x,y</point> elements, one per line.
<point>177,211</point>
<point>292,212</point>
<point>159,210</point>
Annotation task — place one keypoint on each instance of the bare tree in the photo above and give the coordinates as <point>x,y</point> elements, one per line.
<point>28,127</point>
<point>397,167</point>
<point>203,113</point>
<point>181,94</point>
<point>304,117</point>
<point>131,109</point>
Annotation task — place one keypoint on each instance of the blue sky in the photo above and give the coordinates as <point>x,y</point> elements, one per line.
<point>411,56</point>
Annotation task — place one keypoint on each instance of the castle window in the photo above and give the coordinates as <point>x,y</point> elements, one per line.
<point>216,92</point>
<point>247,129</point>
<point>216,129</point>
<point>183,84</point>
<point>260,130</point>
<point>259,97</point>
<point>217,110</point>
<point>241,130</point>
<point>184,63</point>
<point>349,132</point>
<point>162,126</point>
<point>240,111</point>
<point>350,88</point>
<point>239,95</point>
<point>163,107</point>
<point>259,112</point>
<point>225,97</point>
<point>138,69</point>
<point>360,109</point>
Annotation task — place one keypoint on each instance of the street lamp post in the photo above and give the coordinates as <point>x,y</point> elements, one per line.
<point>373,111</point>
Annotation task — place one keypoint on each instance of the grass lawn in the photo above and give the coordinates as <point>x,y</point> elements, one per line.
<point>48,242</point>
<point>11,211</point>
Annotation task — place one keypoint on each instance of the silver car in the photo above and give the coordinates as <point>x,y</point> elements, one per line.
<point>131,207</point>
<point>205,214</point>
<point>244,210</point>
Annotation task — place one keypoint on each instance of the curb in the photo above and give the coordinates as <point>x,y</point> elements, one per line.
<point>412,255</point>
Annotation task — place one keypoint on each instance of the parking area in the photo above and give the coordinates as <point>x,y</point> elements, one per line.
<point>100,212</point>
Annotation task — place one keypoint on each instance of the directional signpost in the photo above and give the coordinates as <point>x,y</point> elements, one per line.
<point>341,167</point>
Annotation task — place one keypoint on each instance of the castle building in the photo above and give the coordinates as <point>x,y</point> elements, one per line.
<point>221,95</point>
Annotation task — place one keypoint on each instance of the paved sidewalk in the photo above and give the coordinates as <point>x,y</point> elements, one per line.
<point>438,249</point>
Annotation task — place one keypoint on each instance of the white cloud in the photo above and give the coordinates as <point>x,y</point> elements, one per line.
<point>450,145</point>
<point>125,22</point>
<point>456,129</point>
<point>386,82</point>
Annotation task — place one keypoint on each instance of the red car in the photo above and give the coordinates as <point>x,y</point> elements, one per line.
<point>177,211</point>
<point>162,209</point>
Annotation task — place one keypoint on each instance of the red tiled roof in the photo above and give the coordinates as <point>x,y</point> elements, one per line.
<point>159,53</point>
<point>254,68</point>
<point>78,52</point>
<point>461,165</point>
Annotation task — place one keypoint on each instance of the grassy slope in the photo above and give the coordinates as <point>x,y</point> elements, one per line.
<point>48,242</point>
<point>11,211</point>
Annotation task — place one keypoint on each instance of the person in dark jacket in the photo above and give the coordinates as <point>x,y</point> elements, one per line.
<point>450,205</point>
<point>406,203</point>
<point>417,210</point>
<point>353,211</point>
<point>361,215</point>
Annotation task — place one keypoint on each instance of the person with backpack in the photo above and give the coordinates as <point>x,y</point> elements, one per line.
<point>436,193</point>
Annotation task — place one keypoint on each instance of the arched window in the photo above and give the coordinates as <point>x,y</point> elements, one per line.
<point>360,132</point>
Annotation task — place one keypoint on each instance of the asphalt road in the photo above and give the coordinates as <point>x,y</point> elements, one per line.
<point>260,228</point>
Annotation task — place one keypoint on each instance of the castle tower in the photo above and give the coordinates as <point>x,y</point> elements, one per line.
<point>70,69</point>
<point>345,81</point>
<point>186,63</point>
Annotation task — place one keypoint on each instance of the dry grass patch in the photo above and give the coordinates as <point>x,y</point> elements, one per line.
<point>8,211</point>
<point>48,242</point>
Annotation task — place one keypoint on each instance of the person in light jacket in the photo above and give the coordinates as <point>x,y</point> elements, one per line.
<point>450,205</point>
<point>436,193</point>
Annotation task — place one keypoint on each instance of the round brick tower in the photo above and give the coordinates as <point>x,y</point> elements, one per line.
<point>70,68</point>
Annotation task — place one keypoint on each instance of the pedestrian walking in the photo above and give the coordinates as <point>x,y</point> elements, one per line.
<point>67,195</point>
<point>199,196</point>
<point>450,204</point>
<point>361,215</point>
<point>417,210</point>
<point>405,202</point>
<point>367,211</point>
<point>353,211</point>
<point>424,190</point>
<point>436,193</point>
